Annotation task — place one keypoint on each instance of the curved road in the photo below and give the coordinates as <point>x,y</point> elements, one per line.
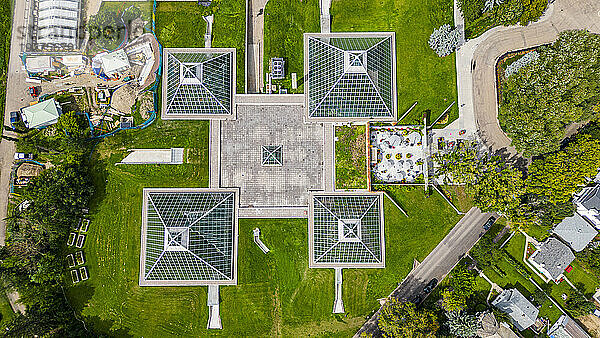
<point>565,15</point>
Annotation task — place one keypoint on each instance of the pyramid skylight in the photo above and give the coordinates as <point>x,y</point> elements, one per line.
<point>189,237</point>
<point>198,83</point>
<point>346,230</point>
<point>351,76</point>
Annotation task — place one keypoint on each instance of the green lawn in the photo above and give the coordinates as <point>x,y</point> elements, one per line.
<point>421,75</point>
<point>350,157</point>
<point>181,24</point>
<point>229,31</point>
<point>5,32</point>
<point>285,23</point>
<point>277,294</point>
<point>6,311</point>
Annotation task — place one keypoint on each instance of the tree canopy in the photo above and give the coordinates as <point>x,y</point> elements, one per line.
<point>560,88</point>
<point>405,320</point>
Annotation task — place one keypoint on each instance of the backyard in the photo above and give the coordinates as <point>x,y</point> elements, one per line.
<point>181,25</point>
<point>277,294</point>
<point>350,157</point>
<point>285,23</point>
<point>421,75</point>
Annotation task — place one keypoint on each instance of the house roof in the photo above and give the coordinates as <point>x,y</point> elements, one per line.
<point>520,310</point>
<point>589,197</point>
<point>41,114</point>
<point>565,327</point>
<point>554,257</point>
<point>575,231</point>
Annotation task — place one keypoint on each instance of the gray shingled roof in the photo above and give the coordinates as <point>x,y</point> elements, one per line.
<point>520,310</point>
<point>554,256</point>
<point>576,231</point>
<point>589,197</point>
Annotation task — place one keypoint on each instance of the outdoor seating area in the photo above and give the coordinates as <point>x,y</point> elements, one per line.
<point>399,154</point>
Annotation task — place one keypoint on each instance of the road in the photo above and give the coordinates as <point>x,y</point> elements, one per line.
<point>438,263</point>
<point>565,15</point>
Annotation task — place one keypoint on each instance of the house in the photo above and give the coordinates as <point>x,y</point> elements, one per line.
<point>42,114</point>
<point>115,63</point>
<point>575,231</point>
<point>521,312</point>
<point>565,327</point>
<point>587,202</point>
<point>552,258</point>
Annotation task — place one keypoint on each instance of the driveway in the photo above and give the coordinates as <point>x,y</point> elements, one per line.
<point>479,56</point>
<point>438,263</point>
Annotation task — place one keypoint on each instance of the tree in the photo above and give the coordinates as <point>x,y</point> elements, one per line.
<point>578,306</point>
<point>444,40</point>
<point>452,300</point>
<point>463,281</point>
<point>461,324</point>
<point>485,252</point>
<point>561,88</point>
<point>471,9</point>
<point>405,320</point>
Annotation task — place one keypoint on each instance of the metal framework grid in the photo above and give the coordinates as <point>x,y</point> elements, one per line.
<point>272,155</point>
<point>189,237</point>
<point>198,83</point>
<point>346,230</point>
<point>351,76</point>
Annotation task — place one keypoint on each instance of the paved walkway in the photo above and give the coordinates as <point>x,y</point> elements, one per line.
<point>255,45</point>
<point>476,62</point>
<point>438,263</point>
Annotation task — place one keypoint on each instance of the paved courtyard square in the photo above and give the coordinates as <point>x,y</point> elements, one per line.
<point>272,155</point>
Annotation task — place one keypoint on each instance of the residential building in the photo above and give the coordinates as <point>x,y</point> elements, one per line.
<point>566,327</point>
<point>522,313</point>
<point>490,328</point>
<point>42,114</point>
<point>552,258</point>
<point>587,202</point>
<point>576,231</point>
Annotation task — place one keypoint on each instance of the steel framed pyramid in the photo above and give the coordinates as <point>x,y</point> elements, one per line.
<point>189,237</point>
<point>351,76</point>
<point>198,83</point>
<point>346,230</point>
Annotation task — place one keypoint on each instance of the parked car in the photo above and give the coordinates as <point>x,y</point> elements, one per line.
<point>14,117</point>
<point>23,156</point>
<point>35,91</point>
<point>416,299</point>
<point>429,287</point>
<point>488,224</point>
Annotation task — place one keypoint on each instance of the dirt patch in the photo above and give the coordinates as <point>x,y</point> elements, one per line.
<point>276,329</point>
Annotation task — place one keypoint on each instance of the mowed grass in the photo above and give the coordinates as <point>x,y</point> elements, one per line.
<point>277,294</point>
<point>229,31</point>
<point>421,75</point>
<point>181,25</point>
<point>286,21</point>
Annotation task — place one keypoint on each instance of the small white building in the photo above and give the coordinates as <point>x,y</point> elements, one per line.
<point>115,62</point>
<point>565,327</point>
<point>39,64</point>
<point>575,231</point>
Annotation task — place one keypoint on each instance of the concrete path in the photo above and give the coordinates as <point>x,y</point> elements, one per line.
<point>438,263</point>
<point>255,45</point>
<point>208,35</point>
<point>329,156</point>
<point>325,5</point>
<point>476,62</point>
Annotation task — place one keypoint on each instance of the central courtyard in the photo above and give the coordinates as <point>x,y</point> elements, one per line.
<point>272,155</point>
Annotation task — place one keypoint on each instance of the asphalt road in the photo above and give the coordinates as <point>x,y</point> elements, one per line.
<point>438,263</point>
<point>565,15</point>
